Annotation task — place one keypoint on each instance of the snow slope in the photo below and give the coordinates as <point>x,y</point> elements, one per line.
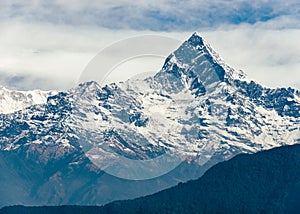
<point>11,101</point>
<point>196,108</point>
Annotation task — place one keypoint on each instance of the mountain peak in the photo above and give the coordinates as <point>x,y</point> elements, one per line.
<point>11,100</point>
<point>195,65</point>
<point>89,84</point>
<point>196,40</point>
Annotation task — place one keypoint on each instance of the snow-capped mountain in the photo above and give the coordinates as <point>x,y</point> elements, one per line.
<point>11,101</point>
<point>196,107</point>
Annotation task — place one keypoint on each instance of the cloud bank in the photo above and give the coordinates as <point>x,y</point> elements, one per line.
<point>47,44</point>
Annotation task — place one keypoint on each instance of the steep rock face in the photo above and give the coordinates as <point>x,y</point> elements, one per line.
<point>285,101</point>
<point>196,108</point>
<point>191,65</point>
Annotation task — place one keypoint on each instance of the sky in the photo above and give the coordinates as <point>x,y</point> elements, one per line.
<point>47,44</point>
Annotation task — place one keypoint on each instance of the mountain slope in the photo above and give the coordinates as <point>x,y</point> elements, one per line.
<point>265,182</point>
<point>196,111</point>
<point>11,101</point>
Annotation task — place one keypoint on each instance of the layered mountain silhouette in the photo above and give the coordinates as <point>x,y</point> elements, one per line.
<point>265,182</point>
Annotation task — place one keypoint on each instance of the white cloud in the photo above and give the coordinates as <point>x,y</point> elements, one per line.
<point>54,53</point>
<point>268,56</point>
<point>57,52</point>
